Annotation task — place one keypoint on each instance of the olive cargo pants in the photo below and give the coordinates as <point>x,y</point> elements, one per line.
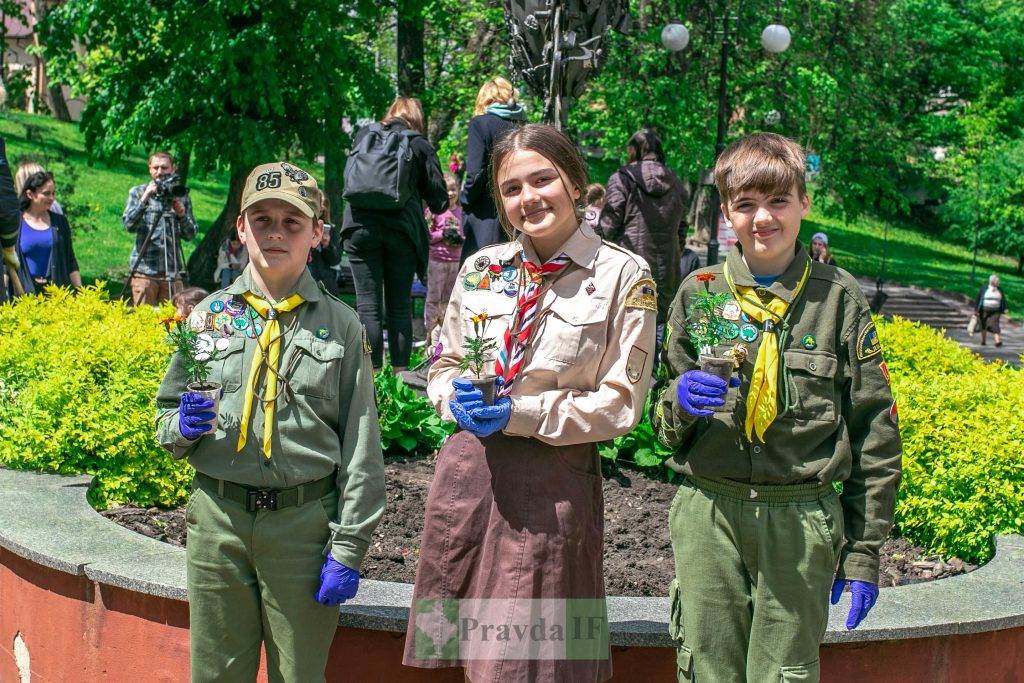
<point>252,578</point>
<point>754,566</point>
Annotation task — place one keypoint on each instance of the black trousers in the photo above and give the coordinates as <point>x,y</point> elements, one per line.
<point>383,265</point>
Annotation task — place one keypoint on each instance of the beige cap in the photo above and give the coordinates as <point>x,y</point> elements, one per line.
<point>281,180</point>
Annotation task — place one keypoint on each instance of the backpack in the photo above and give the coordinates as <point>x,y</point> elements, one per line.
<point>378,172</point>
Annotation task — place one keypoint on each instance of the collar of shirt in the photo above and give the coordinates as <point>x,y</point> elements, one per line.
<point>581,247</point>
<point>786,284</point>
<point>306,286</point>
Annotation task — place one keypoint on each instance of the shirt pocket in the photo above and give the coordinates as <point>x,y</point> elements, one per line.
<point>574,329</point>
<point>812,384</point>
<point>228,365</point>
<point>315,366</point>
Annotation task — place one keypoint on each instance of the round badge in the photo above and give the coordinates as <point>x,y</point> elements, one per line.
<point>730,330</point>
<point>472,280</point>
<point>235,305</point>
<point>511,290</point>
<point>216,305</point>
<point>731,311</point>
<point>809,342</point>
<point>222,344</point>
<point>508,274</point>
<point>748,333</point>
<point>322,333</point>
<point>481,263</point>
<point>204,342</point>
<point>222,319</point>
<point>497,284</point>
<point>240,323</point>
<point>254,330</point>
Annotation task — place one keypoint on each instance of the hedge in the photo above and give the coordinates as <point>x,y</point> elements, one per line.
<point>78,374</point>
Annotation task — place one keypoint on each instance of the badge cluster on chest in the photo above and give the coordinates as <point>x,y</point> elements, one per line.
<point>501,277</point>
<point>226,318</point>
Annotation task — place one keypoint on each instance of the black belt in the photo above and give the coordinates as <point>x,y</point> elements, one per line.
<point>266,499</point>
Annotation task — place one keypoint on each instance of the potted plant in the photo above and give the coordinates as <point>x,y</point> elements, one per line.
<point>477,350</point>
<point>706,328</point>
<point>197,351</point>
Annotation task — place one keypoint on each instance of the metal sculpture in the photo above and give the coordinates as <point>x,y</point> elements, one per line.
<point>557,45</point>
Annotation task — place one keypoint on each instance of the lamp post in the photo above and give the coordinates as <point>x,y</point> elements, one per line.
<point>775,38</point>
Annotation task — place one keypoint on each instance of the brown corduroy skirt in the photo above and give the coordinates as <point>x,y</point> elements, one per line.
<point>511,519</point>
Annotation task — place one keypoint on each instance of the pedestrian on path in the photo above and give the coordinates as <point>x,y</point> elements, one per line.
<point>990,306</point>
<point>820,251</point>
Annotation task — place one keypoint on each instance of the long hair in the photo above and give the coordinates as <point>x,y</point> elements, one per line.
<point>645,144</point>
<point>32,183</point>
<point>551,144</point>
<point>409,110</point>
<point>495,91</point>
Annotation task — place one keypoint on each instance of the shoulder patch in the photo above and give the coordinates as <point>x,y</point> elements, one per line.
<point>867,342</point>
<point>635,364</point>
<point>643,294</point>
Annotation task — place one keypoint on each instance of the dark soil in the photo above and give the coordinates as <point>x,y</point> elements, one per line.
<point>637,553</point>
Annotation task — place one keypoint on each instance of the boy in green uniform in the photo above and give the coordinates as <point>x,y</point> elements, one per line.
<point>289,479</point>
<point>758,532</point>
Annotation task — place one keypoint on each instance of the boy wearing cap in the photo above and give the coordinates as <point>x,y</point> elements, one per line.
<point>289,479</point>
<point>760,536</point>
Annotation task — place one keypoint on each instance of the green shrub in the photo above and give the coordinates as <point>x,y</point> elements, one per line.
<point>78,375</point>
<point>962,426</point>
<point>408,422</point>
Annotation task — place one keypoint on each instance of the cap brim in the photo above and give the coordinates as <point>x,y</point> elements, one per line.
<point>283,196</point>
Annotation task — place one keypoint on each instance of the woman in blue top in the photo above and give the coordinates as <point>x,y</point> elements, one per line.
<point>44,238</point>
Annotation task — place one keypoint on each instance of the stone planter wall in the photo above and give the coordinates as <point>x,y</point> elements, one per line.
<point>84,599</point>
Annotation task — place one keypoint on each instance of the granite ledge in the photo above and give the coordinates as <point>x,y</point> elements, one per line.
<point>46,519</point>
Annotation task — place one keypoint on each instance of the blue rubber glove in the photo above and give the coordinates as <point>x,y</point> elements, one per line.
<point>195,415</point>
<point>698,391</point>
<point>863,596</point>
<point>338,583</point>
<point>490,419</point>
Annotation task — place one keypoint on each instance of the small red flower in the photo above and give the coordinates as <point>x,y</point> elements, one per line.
<point>705,277</point>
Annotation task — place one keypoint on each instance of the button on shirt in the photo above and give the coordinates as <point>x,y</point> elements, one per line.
<point>587,368</point>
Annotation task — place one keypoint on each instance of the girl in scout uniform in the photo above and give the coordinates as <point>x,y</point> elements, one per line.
<point>514,517</point>
<point>289,481</point>
<point>760,536</point>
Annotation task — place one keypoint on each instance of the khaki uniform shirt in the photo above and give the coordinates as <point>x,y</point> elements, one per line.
<point>326,419</point>
<point>587,369</point>
<point>839,420</point>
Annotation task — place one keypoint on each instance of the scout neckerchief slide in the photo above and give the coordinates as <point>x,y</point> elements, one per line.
<point>270,355</point>
<point>510,357</point>
<point>763,395</point>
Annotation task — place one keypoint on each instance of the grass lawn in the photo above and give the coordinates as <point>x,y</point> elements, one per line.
<point>914,258</point>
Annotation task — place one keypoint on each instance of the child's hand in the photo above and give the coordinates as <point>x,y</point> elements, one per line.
<point>195,415</point>
<point>698,391</point>
<point>863,596</point>
<point>338,583</point>
<point>490,419</point>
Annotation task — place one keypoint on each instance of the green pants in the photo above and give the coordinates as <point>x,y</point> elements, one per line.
<point>754,565</point>
<point>252,577</point>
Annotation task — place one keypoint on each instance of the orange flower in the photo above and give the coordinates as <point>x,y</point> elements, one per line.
<point>705,277</point>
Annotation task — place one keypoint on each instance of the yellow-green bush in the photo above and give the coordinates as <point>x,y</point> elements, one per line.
<point>962,426</point>
<point>78,376</point>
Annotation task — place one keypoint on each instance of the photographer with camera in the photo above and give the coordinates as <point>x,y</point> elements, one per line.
<point>160,215</point>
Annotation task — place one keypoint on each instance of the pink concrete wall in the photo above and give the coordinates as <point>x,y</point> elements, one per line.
<point>77,630</point>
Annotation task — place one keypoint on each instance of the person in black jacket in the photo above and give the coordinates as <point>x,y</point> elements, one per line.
<point>495,114</point>
<point>9,214</point>
<point>386,248</point>
<point>326,255</point>
<point>44,245</point>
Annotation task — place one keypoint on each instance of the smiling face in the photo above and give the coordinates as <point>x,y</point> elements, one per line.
<point>42,199</point>
<point>535,198</point>
<point>278,236</point>
<point>767,226</point>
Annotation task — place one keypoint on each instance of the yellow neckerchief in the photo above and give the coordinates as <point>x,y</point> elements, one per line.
<point>270,355</point>
<point>763,395</point>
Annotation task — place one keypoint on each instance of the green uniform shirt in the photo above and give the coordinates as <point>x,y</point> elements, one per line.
<point>836,417</point>
<point>326,417</point>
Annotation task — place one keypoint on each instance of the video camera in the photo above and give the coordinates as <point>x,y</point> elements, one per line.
<point>170,187</point>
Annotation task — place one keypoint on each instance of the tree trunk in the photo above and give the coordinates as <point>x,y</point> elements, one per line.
<point>183,166</point>
<point>58,105</point>
<point>204,259</point>
<point>410,48</point>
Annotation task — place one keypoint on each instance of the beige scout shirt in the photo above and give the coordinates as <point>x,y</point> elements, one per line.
<point>587,369</point>
<point>326,419</point>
